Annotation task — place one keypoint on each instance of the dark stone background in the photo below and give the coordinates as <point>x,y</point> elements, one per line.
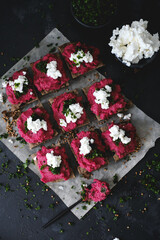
<point>23,24</point>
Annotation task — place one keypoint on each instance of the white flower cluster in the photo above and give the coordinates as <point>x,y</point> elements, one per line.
<point>133,43</point>
<point>117,133</point>
<point>102,95</point>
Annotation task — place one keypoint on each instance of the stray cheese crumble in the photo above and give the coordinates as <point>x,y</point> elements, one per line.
<point>117,133</point>
<point>133,43</point>
<point>17,84</point>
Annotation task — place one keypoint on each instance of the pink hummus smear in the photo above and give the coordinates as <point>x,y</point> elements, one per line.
<point>48,176</point>
<point>84,67</point>
<point>121,149</point>
<point>99,191</point>
<point>117,101</point>
<point>44,82</point>
<point>57,108</point>
<point>29,95</point>
<point>41,135</point>
<point>89,164</point>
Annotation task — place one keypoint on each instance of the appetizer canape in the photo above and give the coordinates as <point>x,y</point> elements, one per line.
<point>80,58</point>
<point>53,164</point>
<point>68,111</point>
<point>19,89</point>
<point>89,152</point>
<point>49,73</point>
<point>35,127</point>
<point>105,99</point>
<point>121,139</point>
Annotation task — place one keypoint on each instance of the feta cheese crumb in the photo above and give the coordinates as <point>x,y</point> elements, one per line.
<point>133,43</point>
<point>52,160</point>
<point>81,56</point>
<point>75,112</point>
<point>1,97</point>
<point>117,133</point>
<point>102,95</point>
<point>10,141</point>
<point>4,84</point>
<point>36,125</point>
<point>62,122</point>
<point>120,115</point>
<point>85,147</point>
<point>35,158</point>
<point>31,93</point>
<point>116,238</point>
<point>52,70</point>
<point>127,116</point>
<point>17,84</point>
<point>61,187</point>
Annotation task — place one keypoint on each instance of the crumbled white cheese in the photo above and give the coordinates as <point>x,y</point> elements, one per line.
<point>81,56</point>
<point>62,122</point>
<point>61,187</point>
<point>116,238</point>
<point>31,93</point>
<point>127,116</point>
<point>102,95</point>
<point>4,84</point>
<point>85,147</point>
<point>1,97</point>
<point>132,43</point>
<point>35,158</point>
<point>75,112</point>
<point>52,70</point>
<point>120,115</point>
<point>24,72</point>
<point>17,84</point>
<point>117,133</point>
<point>52,160</point>
<point>36,125</point>
<point>10,141</point>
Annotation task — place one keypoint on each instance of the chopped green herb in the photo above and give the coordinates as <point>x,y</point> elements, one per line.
<point>115,178</point>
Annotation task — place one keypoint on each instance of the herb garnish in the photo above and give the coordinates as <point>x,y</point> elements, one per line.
<point>41,66</point>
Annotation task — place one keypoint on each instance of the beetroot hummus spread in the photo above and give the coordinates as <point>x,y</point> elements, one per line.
<point>84,66</point>
<point>28,135</point>
<point>97,192</point>
<point>119,148</point>
<point>61,111</point>
<point>44,82</point>
<point>116,100</point>
<point>96,158</point>
<point>48,173</point>
<point>16,97</point>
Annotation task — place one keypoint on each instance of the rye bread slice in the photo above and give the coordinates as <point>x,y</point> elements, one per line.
<point>128,105</point>
<point>45,92</point>
<point>115,156</point>
<point>82,171</point>
<point>58,180</point>
<point>74,75</point>
<point>75,91</point>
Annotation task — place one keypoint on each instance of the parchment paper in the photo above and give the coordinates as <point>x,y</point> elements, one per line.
<point>147,129</point>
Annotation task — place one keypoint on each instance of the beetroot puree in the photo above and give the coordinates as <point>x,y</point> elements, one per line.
<point>57,107</point>
<point>99,191</point>
<point>89,164</point>
<point>84,67</point>
<point>29,95</point>
<point>41,135</point>
<point>42,81</point>
<point>48,176</point>
<point>117,101</point>
<point>122,149</point>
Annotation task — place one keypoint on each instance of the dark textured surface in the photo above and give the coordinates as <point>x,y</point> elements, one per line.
<point>23,24</point>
